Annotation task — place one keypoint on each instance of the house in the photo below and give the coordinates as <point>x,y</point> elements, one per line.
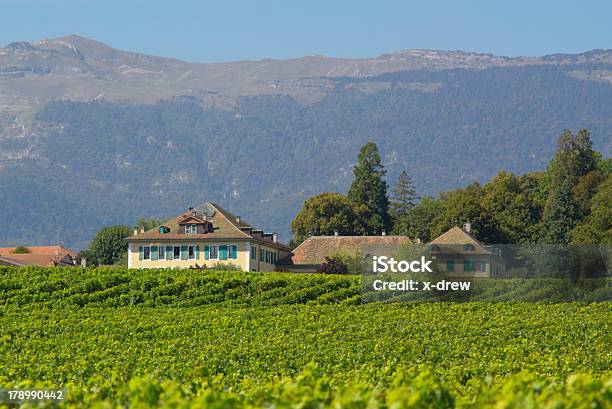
<point>43,256</point>
<point>457,253</point>
<point>309,255</point>
<point>206,235</point>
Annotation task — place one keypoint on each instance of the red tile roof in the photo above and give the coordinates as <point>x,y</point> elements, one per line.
<point>46,250</point>
<point>314,249</point>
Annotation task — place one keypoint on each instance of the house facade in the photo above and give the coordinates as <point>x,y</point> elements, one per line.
<point>206,235</point>
<point>457,253</point>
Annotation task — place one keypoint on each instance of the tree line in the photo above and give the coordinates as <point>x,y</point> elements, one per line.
<point>568,203</point>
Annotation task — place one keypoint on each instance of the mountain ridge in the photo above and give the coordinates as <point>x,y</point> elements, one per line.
<point>92,136</point>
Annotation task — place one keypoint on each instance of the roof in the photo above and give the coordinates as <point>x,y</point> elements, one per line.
<point>226,226</point>
<point>47,250</point>
<point>314,249</point>
<point>457,237</point>
<point>32,259</point>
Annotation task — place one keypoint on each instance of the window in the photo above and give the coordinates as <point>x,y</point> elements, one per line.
<point>192,253</point>
<point>481,266</point>
<point>450,265</point>
<point>191,229</point>
<point>268,256</point>
<point>253,253</point>
<point>177,252</point>
<point>261,254</point>
<point>214,252</point>
<point>162,252</point>
<point>147,253</point>
<point>468,265</point>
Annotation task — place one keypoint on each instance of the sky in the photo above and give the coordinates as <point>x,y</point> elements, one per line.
<point>226,30</point>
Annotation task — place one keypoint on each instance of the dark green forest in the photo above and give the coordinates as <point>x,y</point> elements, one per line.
<point>101,163</point>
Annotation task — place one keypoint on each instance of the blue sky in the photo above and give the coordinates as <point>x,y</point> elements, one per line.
<point>221,30</point>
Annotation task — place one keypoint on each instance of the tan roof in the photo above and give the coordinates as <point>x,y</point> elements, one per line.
<point>47,250</point>
<point>457,237</point>
<point>314,249</point>
<point>31,259</point>
<point>226,226</point>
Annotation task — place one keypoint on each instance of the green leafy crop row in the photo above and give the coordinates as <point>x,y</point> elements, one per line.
<point>255,350</point>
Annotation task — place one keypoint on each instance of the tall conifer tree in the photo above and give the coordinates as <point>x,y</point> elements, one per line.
<point>370,189</point>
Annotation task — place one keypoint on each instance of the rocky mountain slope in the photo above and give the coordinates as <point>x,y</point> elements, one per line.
<point>91,135</point>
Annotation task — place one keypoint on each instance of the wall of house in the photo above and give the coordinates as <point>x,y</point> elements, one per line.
<point>243,258</point>
<point>459,270</point>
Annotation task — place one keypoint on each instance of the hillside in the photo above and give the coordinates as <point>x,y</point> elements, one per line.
<point>90,135</point>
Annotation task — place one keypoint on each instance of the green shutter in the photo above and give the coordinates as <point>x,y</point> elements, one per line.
<point>223,252</point>
<point>169,252</point>
<point>233,252</point>
<point>154,254</point>
<point>184,254</point>
<point>468,265</point>
<point>140,253</point>
<point>206,252</point>
<point>197,252</point>
<point>450,265</point>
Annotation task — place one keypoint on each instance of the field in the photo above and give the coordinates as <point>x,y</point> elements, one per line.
<point>230,339</point>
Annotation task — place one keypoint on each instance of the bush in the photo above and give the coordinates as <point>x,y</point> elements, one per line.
<point>333,265</point>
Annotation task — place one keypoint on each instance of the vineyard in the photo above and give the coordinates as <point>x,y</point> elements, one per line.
<point>228,339</point>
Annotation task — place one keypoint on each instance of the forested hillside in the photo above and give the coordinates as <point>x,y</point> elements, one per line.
<point>98,163</point>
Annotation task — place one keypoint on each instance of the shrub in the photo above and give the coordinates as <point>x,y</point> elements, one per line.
<point>333,265</point>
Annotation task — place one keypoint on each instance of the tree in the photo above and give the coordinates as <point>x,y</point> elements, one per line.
<point>148,224</point>
<point>574,159</point>
<point>464,205</point>
<point>370,189</point>
<point>333,265</point>
<point>417,222</point>
<point>597,227</point>
<point>404,195</point>
<point>21,250</point>
<point>326,214</point>
<point>108,246</point>
<point>515,205</point>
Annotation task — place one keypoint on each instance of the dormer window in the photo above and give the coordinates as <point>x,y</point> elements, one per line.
<point>191,228</point>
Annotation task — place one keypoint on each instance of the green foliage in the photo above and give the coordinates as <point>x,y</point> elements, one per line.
<point>326,214</point>
<point>306,349</point>
<point>108,246</point>
<point>464,205</point>
<point>148,224</point>
<point>21,250</point>
<point>370,189</point>
<point>597,227</point>
<point>418,222</point>
<point>333,265</point>
<point>403,197</point>
<point>568,173</point>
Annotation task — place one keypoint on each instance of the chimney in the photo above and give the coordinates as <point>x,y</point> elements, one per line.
<point>141,229</point>
<point>383,233</point>
<point>135,230</point>
<point>275,237</point>
<point>237,219</point>
<point>336,233</point>
<point>467,226</point>
<point>83,262</point>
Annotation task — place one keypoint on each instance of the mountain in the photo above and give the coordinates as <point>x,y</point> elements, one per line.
<point>91,135</point>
